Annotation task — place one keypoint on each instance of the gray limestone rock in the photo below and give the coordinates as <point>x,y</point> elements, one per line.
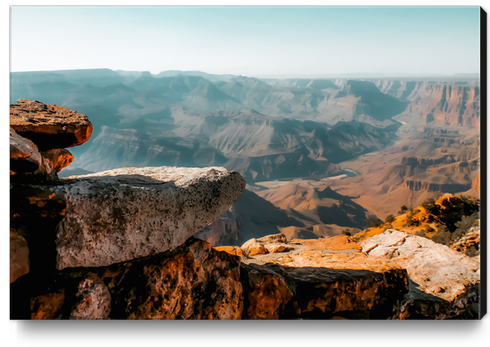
<point>122,214</point>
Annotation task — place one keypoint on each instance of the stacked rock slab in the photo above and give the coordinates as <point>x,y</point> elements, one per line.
<point>39,135</point>
<point>36,157</point>
<point>112,233</point>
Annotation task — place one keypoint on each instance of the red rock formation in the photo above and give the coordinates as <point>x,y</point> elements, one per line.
<point>233,250</point>
<point>48,306</point>
<point>193,282</point>
<point>443,103</point>
<point>57,159</point>
<point>49,126</point>
<point>434,187</point>
<point>266,292</point>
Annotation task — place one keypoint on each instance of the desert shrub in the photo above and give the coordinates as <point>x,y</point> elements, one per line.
<point>442,236</point>
<point>430,206</point>
<point>464,224</point>
<point>403,209</point>
<point>410,220</point>
<point>373,222</point>
<point>347,232</point>
<point>390,219</point>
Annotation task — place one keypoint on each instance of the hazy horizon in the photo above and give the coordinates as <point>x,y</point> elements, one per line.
<point>250,41</point>
<point>287,76</point>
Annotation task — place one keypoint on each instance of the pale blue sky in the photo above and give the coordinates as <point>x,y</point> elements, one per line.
<point>250,41</point>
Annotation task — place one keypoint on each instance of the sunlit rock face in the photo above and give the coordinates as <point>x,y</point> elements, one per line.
<point>49,126</point>
<point>321,278</point>
<point>192,282</point>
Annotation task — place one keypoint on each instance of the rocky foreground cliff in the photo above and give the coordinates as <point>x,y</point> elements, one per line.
<point>119,244</point>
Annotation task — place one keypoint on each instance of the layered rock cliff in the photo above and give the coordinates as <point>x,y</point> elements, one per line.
<point>119,244</point>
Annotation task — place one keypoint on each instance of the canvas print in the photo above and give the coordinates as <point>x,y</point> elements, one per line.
<point>234,162</point>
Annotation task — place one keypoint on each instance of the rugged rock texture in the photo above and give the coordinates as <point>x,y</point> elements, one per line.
<point>24,155</point>
<point>19,256</point>
<point>328,282</point>
<point>438,283</point>
<point>57,159</point>
<point>48,306</point>
<point>436,270</point>
<point>93,299</point>
<point>49,126</point>
<point>122,214</point>
<point>119,245</point>
<point>446,104</point>
<point>266,292</point>
<point>469,242</point>
<point>434,187</point>
<point>233,250</point>
<point>192,282</point>
<point>265,245</point>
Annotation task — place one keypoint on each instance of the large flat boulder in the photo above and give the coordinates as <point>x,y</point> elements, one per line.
<point>118,215</point>
<point>49,126</point>
<point>437,269</point>
<point>444,283</point>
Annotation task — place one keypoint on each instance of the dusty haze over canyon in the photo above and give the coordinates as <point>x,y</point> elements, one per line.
<point>285,198</point>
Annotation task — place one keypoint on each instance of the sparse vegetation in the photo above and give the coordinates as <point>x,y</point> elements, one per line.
<point>390,219</point>
<point>347,232</point>
<point>464,224</point>
<point>442,236</point>
<point>430,206</point>
<point>410,219</point>
<point>403,209</point>
<point>373,222</point>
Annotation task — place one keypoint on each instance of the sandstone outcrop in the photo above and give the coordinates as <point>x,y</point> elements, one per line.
<point>192,282</point>
<point>445,276</point>
<point>122,214</point>
<point>267,244</point>
<point>57,159</point>
<point>434,187</point>
<point>233,250</point>
<point>49,126</point>
<point>325,282</point>
<point>266,293</point>
<point>469,242</point>
<point>419,279</point>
